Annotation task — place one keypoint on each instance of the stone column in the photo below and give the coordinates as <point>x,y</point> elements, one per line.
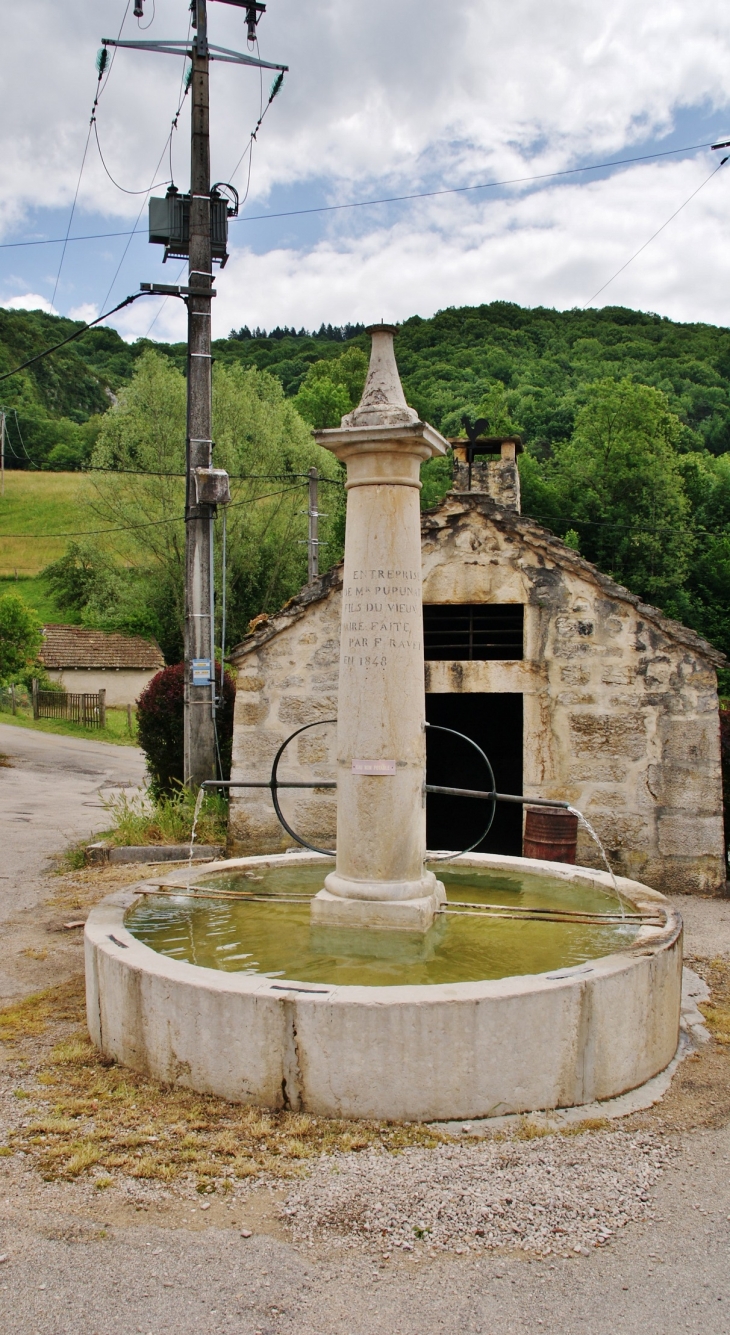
<point>380,878</point>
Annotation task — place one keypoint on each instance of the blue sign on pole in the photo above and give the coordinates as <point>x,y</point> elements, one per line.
<point>202,675</point>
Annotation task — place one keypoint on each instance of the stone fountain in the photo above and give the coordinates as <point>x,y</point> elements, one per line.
<point>305,1028</point>
<point>380,879</point>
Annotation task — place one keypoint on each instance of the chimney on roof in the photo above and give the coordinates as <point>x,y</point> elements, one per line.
<point>487,465</point>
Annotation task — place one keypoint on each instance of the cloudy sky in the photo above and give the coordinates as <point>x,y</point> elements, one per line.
<point>388,98</point>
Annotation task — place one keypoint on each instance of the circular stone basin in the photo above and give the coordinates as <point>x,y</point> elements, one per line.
<point>474,1019</point>
<point>276,939</point>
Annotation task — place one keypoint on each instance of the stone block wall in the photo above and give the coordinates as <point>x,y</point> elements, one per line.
<point>620,706</point>
<point>287,678</point>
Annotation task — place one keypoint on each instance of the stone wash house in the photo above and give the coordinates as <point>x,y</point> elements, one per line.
<point>572,686</point>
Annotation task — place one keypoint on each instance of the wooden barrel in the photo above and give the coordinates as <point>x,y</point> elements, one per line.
<point>550,833</point>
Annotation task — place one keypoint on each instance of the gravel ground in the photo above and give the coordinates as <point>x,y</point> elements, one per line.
<point>554,1194</point>
<point>645,1205</point>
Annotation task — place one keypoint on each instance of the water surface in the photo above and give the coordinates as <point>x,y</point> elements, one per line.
<point>277,940</point>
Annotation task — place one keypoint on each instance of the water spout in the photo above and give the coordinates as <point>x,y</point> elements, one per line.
<point>198,804</point>
<point>587,826</point>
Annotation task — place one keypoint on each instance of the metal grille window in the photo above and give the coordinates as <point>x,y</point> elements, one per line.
<point>479,631</point>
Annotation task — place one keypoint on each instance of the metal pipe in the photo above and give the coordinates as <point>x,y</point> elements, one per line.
<point>497,797</point>
<point>430,788</point>
<point>266,783</point>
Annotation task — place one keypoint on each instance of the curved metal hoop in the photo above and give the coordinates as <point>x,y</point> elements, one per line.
<point>330,852</point>
<point>447,857</point>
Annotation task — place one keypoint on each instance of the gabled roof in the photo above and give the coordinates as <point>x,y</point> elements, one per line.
<point>78,647</point>
<point>520,529</point>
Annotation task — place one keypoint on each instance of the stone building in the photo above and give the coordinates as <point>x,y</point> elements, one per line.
<point>572,686</point>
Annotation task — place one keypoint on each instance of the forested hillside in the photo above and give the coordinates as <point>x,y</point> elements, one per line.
<point>625,418</point>
<point>541,357</point>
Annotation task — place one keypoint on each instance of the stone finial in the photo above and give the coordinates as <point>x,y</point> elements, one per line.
<point>383,402</point>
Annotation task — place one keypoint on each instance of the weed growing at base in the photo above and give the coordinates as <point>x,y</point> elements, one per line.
<point>167,819</point>
<point>100,1116</point>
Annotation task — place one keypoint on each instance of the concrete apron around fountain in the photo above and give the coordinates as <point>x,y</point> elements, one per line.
<point>421,1053</point>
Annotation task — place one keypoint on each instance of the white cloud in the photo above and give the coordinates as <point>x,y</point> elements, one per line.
<point>30,301</point>
<point>87,311</point>
<point>555,248</point>
<point>384,98</point>
<point>383,91</point>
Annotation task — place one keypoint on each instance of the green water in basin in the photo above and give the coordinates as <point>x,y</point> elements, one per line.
<point>277,940</point>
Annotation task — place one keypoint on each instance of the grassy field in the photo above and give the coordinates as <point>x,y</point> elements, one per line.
<point>37,510</point>
<point>116,730</point>
<point>35,594</point>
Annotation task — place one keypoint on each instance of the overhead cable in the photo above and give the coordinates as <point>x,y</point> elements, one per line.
<point>101,66</point>
<point>76,334</point>
<point>656,233</point>
<point>393,199</point>
<point>149,523</point>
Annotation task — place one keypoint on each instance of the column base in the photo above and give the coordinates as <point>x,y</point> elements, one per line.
<point>405,915</point>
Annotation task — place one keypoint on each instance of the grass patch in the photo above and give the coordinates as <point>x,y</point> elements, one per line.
<point>36,504</point>
<point>716,1011</point>
<point>116,730</point>
<point>167,820</point>
<point>31,1016</point>
<point>111,1120</point>
<point>35,594</point>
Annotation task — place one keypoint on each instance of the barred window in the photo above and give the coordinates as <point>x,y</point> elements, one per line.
<point>480,631</point>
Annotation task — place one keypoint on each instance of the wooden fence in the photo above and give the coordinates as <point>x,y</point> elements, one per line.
<point>88,710</point>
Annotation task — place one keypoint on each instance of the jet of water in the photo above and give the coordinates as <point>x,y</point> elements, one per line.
<point>198,804</point>
<point>587,826</point>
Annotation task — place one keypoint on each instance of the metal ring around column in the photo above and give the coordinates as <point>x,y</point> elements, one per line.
<point>447,857</point>
<point>329,852</point>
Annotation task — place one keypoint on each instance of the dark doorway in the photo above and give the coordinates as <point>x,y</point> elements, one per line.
<point>494,722</point>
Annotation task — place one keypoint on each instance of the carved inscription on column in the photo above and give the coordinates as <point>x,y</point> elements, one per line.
<point>381,617</point>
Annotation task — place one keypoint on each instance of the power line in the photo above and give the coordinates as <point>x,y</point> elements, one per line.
<point>111,178</point>
<point>655,234</point>
<point>465,189</point>
<point>150,523</point>
<point>77,334</point>
<point>235,477</point>
<point>392,199</point>
<point>99,90</point>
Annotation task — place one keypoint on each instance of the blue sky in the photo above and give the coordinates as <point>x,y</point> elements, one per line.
<point>391,98</point>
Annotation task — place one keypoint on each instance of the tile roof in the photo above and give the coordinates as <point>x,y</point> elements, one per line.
<point>77,647</point>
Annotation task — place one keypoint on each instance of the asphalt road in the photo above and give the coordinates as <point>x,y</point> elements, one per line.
<point>51,795</point>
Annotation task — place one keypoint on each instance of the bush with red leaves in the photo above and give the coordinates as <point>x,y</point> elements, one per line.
<point>160,727</point>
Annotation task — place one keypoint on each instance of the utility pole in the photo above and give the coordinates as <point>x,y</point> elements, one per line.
<point>199,647</point>
<point>2,452</point>
<point>314,514</point>
<point>313,532</point>
<point>192,236</point>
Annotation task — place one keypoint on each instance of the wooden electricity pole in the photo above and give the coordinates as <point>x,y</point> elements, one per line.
<point>199,622</point>
<point>205,487</point>
<point>313,535</point>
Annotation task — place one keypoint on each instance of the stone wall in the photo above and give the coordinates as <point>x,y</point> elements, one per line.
<point>287,677</point>
<point>620,705</point>
<point>123,686</point>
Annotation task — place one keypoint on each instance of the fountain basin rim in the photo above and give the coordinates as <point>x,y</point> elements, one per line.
<point>648,939</point>
<point>433,1052</point>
